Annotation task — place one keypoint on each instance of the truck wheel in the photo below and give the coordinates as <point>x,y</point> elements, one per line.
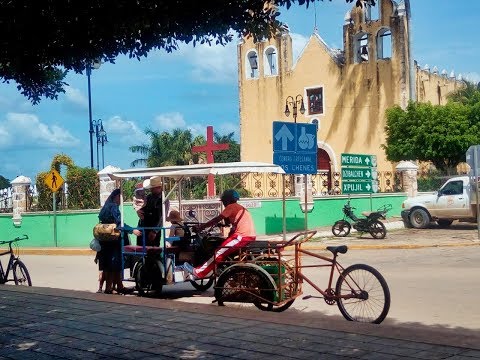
<point>444,223</point>
<point>419,219</point>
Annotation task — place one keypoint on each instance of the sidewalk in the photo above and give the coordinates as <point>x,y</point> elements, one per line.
<point>62,324</point>
<point>397,238</point>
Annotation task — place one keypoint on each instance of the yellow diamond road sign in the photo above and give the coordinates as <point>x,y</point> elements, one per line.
<point>53,180</point>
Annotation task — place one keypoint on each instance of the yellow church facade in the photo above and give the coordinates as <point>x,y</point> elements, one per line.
<point>344,91</point>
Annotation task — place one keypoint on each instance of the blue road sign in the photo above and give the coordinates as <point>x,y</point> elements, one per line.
<point>295,147</point>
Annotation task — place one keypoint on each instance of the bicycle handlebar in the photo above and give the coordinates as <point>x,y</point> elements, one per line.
<point>18,238</point>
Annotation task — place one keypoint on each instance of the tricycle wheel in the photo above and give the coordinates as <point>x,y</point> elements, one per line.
<point>245,283</point>
<point>148,280</point>
<point>271,307</point>
<point>341,228</point>
<point>270,264</point>
<point>202,284</point>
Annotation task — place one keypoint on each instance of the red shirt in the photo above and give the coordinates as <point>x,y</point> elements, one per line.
<point>233,213</point>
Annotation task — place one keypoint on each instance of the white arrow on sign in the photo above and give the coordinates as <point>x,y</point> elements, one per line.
<point>368,174</point>
<point>368,187</point>
<point>285,135</point>
<point>367,160</point>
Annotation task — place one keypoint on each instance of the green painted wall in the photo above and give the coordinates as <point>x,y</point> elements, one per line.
<point>74,228</point>
<point>326,210</point>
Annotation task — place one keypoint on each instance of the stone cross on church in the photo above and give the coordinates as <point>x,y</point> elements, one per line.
<point>209,148</point>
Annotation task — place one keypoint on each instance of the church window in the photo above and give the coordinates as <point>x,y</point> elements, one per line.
<point>252,65</point>
<point>315,101</point>
<point>384,44</point>
<point>360,48</point>
<point>372,12</point>
<point>270,61</point>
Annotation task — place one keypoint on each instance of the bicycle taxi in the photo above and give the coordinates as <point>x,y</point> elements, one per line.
<point>267,274</point>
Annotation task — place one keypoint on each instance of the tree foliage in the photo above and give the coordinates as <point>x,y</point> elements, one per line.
<point>437,133</point>
<point>164,149</point>
<point>83,186</point>
<point>40,40</point>
<point>4,183</point>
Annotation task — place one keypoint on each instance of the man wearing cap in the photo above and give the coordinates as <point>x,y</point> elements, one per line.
<point>151,213</point>
<point>241,233</point>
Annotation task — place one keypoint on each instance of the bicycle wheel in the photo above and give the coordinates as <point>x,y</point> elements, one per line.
<point>378,230</point>
<point>341,228</point>
<point>370,296</point>
<point>20,274</point>
<point>202,284</point>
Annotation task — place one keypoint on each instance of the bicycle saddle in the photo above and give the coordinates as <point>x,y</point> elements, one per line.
<point>342,249</point>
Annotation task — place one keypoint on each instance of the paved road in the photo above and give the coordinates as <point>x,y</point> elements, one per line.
<point>434,286</point>
<point>61,324</point>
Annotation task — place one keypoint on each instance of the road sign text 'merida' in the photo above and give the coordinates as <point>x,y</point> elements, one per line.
<point>356,160</point>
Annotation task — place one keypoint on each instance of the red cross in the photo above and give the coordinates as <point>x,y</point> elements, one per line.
<point>209,148</point>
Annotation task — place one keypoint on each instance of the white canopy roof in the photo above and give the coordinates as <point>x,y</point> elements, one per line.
<point>199,170</point>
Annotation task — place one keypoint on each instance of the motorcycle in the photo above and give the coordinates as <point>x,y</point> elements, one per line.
<point>156,267</point>
<point>369,224</point>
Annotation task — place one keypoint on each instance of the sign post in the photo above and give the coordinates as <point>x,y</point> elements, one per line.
<point>359,174</point>
<point>54,181</point>
<point>295,150</point>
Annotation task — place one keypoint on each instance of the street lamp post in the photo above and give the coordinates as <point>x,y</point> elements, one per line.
<point>294,102</point>
<point>95,65</point>
<point>101,136</point>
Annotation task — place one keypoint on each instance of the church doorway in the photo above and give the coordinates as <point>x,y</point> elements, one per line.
<point>324,170</point>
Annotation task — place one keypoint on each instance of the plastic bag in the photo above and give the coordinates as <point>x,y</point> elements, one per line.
<point>95,245</point>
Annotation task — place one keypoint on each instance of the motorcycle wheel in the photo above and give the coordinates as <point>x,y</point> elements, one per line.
<point>377,230</point>
<point>341,228</point>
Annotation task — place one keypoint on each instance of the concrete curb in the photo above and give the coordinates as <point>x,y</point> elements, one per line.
<point>311,246</point>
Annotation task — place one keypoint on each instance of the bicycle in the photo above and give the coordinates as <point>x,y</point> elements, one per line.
<point>18,268</point>
<point>271,278</point>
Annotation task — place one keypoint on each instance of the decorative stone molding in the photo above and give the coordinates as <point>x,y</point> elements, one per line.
<point>20,186</point>
<point>409,177</point>
<point>107,185</point>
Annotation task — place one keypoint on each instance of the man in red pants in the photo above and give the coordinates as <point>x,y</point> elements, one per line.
<point>241,233</point>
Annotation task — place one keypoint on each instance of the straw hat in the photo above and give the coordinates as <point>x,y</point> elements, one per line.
<point>153,182</point>
<point>174,215</point>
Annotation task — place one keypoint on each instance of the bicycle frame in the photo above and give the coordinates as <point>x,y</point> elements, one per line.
<point>4,272</point>
<point>335,267</point>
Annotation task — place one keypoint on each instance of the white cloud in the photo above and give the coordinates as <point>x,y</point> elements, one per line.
<point>472,76</point>
<point>76,97</point>
<point>128,130</point>
<point>169,121</point>
<point>26,130</point>
<point>227,128</point>
<point>298,44</point>
<point>215,64</point>
<point>210,63</point>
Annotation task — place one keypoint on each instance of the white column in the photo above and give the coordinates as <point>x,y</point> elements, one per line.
<point>107,185</point>
<point>409,177</point>
<point>20,187</point>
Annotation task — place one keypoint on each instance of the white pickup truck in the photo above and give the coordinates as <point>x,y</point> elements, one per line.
<point>456,200</point>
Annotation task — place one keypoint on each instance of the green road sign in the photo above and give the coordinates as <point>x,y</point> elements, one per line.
<point>359,160</point>
<point>359,173</point>
<point>359,187</point>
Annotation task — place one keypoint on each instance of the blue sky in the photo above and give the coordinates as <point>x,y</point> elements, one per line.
<point>196,87</point>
